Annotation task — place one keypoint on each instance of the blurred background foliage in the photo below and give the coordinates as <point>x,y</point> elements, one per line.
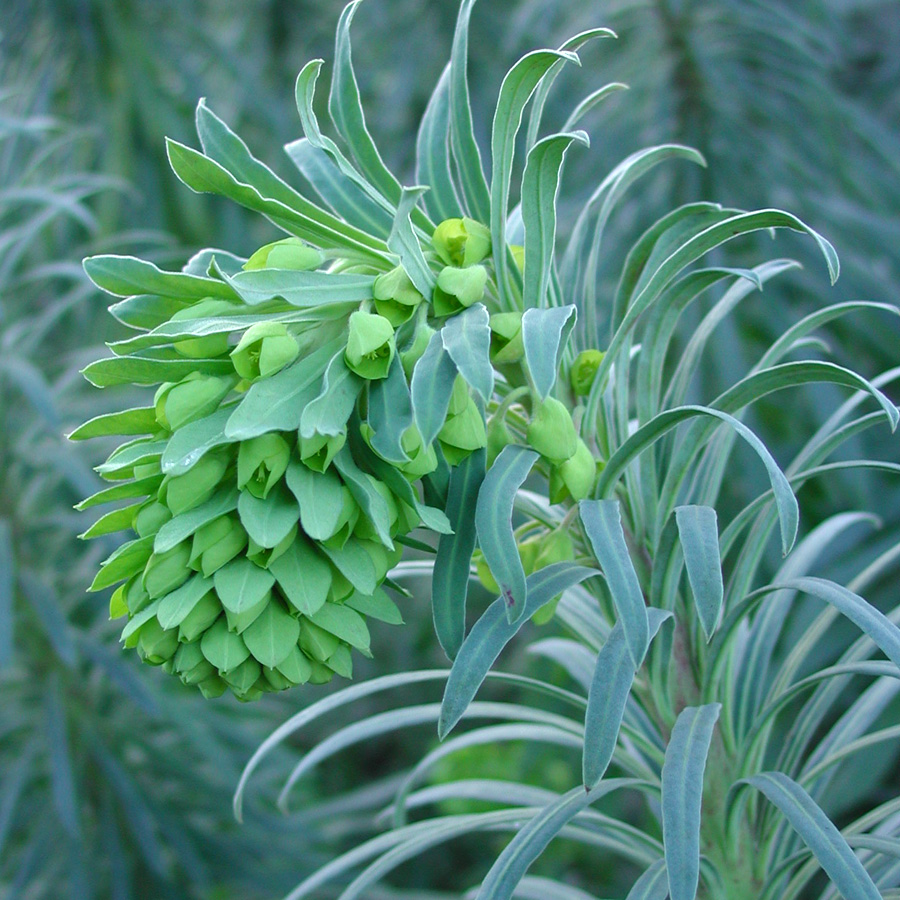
<point>116,783</point>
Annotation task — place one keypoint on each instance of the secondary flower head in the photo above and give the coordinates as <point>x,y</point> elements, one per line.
<point>506,338</point>
<point>265,348</point>
<point>458,289</point>
<point>370,345</point>
<point>261,463</point>
<point>396,297</point>
<point>461,242</point>
<point>584,370</point>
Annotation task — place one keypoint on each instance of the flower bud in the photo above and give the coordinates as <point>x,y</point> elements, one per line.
<point>414,352</point>
<point>459,396</point>
<point>290,253</point>
<point>261,463</point>
<point>528,552</point>
<point>422,459</point>
<point>461,242</point>
<point>498,437</point>
<point>457,289</point>
<point>575,477</point>
<point>216,543</point>
<point>552,432</point>
<point>155,645</point>
<point>150,518</point>
<point>166,571</point>
<point>200,618</point>
<point>316,642</point>
<point>264,556</point>
<point>207,346</point>
<point>584,370</point>
<point>191,665</point>
<point>462,433</point>
<point>396,297</point>
<point>191,398</point>
<point>265,348</point>
<point>183,492</point>
<point>506,338</point>
<point>518,253</point>
<point>318,451</point>
<point>485,576</point>
<point>370,345</point>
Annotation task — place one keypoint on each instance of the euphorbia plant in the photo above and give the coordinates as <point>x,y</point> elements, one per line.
<point>406,359</point>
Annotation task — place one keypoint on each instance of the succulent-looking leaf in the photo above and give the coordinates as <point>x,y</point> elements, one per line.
<point>431,387</point>
<point>540,187</point>
<point>682,795</point>
<point>819,834</point>
<point>493,520</point>
<point>699,535</point>
<point>450,578</point>
<point>603,525</point>
<point>544,335</point>
<point>433,154</point>
<point>123,276</point>
<point>467,339</point>
<point>492,632</point>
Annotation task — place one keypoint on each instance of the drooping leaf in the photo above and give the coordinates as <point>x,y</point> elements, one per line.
<point>430,388</point>
<point>544,336</point>
<point>390,412</point>
<point>328,413</point>
<point>467,339</point>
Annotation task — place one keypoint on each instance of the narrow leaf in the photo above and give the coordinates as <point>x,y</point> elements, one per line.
<point>430,387</point>
<point>390,413</point>
<point>467,339</point>
<point>699,535</point>
<point>544,334</point>
<point>682,796</point>
<point>493,520</point>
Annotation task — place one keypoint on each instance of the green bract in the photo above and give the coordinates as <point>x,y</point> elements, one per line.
<point>264,349</point>
<point>461,242</point>
<point>370,345</point>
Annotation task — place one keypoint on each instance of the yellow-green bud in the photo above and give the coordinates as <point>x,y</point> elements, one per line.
<point>264,556</point>
<point>183,492</point>
<point>485,576</point>
<point>422,459</point>
<point>265,348</point>
<point>413,354</point>
<point>290,253</point>
<point>201,617</point>
<point>216,543</point>
<point>370,345</point>
<point>155,645</point>
<point>506,338</point>
<point>191,398</point>
<point>518,252</point>
<point>498,437</point>
<point>461,242</point>
<point>396,297</point>
<point>318,451</point>
<point>575,477</point>
<point>150,518</point>
<point>555,546</point>
<point>457,289</point>
<point>584,370</point>
<point>261,463</point>
<point>459,396</point>
<point>166,571</point>
<point>316,642</point>
<point>552,432</point>
<point>462,433</point>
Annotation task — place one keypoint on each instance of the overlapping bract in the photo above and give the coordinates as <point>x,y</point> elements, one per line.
<point>291,446</point>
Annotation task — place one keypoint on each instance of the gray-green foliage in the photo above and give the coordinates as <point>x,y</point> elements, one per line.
<point>699,680</point>
<point>106,785</point>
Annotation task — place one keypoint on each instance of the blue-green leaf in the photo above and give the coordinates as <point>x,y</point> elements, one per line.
<point>373,505</point>
<point>188,445</point>
<point>532,839</point>
<point>682,795</point>
<point>183,526</point>
<point>472,183</point>
<point>492,632</point>
<point>493,519</point>
<point>268,520</point>
<point>277,403</point>
<point>390,413</point>
<point>699,534</point>
<point>603,525</point>
<point>329,412</point>
<point>341,193</point>
<point>450,579</point>
<point>147,370</point>
<point>405,244</point>
<point>515,91</point>
<point>467,338</point>
<point>540,188</point>
<point>544,335</point>
<point>302,289</point>
<point>433,154</point>
<point>431,386</point>
<point>319,496</point>
<point>652,885</point>
<point>819,834</point>
<point>7,585</point>
<point>123,276</point>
